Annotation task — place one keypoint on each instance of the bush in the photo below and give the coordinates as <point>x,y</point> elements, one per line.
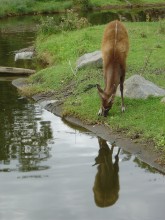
<point>69,22</point>
<point>83,4</point>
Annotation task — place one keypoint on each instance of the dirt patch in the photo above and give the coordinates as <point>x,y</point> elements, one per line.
<point>144,151</point>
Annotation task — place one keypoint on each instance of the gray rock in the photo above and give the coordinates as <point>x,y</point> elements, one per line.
<point>24,54</point>
<point>163,100</point>
<point>94,58</point>
<point>27,49</point>
<point>138,87</point>
<point>19,83</point>
<point>47,102</point>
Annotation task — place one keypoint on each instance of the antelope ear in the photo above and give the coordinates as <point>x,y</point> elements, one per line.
<point>100,91</point>
<point>111,98</point>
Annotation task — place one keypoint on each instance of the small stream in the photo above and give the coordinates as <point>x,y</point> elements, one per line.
<point>50,169</point>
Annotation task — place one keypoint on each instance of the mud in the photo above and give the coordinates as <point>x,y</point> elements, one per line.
<point>144,151</point>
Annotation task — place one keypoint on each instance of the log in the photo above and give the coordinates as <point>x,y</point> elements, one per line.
<point>15,71</point>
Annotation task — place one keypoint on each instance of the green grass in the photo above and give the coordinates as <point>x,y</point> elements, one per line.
<point>145,56</point>
<point>105,2</point>
<point>145,117</point>
<point>119,2</point>
<point>18,7</point>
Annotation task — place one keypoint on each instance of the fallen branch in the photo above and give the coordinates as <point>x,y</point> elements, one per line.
<point>15,71</point>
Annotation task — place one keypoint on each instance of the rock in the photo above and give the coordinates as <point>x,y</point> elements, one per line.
<point>94,58</point>
<point>138,87</point>
<point>47,102</point>
<point>24,54</point>
<point>163,100</point>
<point>27,49</point>
<point>19,83</point>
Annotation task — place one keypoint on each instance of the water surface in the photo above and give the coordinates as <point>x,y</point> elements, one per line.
<point>52,170</point>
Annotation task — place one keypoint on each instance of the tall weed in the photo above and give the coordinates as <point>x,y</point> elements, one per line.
<point>85,5</point>
<point>70,21</point>
<point>161,28</point>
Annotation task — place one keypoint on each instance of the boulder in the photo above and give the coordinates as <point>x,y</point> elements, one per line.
<point>94,58</point>
<point>138,87</point>
<point>163,100</point>
<point>24,54</point>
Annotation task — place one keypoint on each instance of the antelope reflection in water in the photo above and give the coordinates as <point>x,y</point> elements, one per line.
<point>106,186</point>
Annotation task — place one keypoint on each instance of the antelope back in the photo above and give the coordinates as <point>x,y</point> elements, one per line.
<point>115,43</point>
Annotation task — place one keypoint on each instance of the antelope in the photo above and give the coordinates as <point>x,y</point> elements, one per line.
<point>115,46</point>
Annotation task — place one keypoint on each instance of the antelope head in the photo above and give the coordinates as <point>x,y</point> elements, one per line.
<point>106,100</point>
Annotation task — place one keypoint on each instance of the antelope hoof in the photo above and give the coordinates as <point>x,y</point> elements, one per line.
<point>123,109</point>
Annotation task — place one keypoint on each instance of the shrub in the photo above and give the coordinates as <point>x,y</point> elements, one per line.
<point>48,25</point>
<point>70,21</point>
<point>83,4</point>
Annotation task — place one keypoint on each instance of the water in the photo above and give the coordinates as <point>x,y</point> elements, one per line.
<point>50,169</point>
<point>15,34</point>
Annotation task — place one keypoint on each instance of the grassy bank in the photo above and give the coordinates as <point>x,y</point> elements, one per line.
<point>123,2</point>
<point>143,119</point>
<point>18,7</point>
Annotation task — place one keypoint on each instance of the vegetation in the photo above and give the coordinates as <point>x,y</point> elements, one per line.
<point>143,118</point>
<point>17,7</point>
<point>70,21</point>
<point>119,2</point>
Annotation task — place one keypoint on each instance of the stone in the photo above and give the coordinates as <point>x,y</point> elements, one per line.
<point>94,58</point>
<point>163,100</point>
<point>138,87</point>
<point>24,54</point>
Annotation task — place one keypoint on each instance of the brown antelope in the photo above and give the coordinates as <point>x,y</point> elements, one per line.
<point>115,46</point>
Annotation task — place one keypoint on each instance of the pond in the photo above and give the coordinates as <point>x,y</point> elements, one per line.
<point>50,169</point>
<point>15,34</point>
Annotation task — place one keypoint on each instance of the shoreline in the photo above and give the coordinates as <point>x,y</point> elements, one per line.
<point>142,151</point>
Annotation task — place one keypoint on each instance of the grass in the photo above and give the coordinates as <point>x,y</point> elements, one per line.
<point>121,2</point>
<point>143,117</point>
<point>105,2</point>
<point>18,7</point>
